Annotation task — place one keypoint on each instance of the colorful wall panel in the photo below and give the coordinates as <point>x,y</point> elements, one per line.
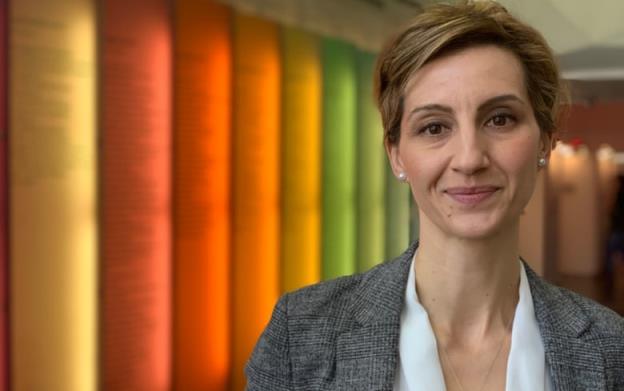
<point>397,215</point>
<point>4,189</point>
<point>301,154</point>
<point>371,170</point>
<point>53,220</point>
<point>414,222</point>
<point>202,169</point>
<point>135,195</point>
<point>256,140</point>
<point>339,148</point>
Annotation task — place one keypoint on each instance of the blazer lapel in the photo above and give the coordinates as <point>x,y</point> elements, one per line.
<point>366,357</point>
<point>367,349</point>
<point>575,362</point>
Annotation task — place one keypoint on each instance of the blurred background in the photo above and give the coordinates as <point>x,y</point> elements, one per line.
<point>169,168</point>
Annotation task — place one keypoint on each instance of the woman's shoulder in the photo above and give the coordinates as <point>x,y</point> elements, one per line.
<point>331,297</point>
<point>565,306</point>
<point>306,323</point>
<point>604,320</point>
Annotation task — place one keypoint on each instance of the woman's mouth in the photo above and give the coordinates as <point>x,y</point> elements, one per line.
<point>471,196</point>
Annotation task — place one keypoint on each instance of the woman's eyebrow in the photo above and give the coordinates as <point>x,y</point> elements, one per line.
<point>498,100</point>
<point>482,107</point>
<point>431,107</point>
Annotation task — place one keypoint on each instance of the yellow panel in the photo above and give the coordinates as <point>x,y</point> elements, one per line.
<point>53,195</point>
<point>301,138</point>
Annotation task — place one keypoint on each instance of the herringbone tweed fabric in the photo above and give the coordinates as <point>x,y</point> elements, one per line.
<point>343,335</point>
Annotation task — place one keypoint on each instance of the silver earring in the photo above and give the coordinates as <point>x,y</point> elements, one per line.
<point>541,162</point>
<point>402,177</point>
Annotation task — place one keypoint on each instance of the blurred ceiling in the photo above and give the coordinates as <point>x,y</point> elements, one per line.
<point>587,36</point>
<point>365,23</point>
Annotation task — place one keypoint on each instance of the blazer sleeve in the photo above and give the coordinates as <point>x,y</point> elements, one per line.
<point>269,365</point>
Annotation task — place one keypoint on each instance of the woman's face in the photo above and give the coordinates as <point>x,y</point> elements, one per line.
<point>469,142</point>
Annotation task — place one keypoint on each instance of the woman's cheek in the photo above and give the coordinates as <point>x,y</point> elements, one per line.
<point>521,155</point>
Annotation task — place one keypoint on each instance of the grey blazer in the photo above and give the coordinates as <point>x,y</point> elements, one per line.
<point>344,335</point>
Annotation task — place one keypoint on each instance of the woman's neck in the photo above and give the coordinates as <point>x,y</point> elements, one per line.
<point>468,287</point>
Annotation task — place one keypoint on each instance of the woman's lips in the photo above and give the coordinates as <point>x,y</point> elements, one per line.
<point>471,196</point>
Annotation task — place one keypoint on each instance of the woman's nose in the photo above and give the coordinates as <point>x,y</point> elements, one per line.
<point>470,152</point>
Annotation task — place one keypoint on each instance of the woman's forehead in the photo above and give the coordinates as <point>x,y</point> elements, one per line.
<point>473,73</point>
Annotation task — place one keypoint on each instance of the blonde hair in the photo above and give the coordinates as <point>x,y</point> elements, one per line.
<point>443,28</point>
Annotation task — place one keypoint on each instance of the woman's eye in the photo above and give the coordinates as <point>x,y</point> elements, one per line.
<point>432,130</point>
<point>500,120</point>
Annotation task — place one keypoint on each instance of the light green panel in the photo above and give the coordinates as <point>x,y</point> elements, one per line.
<point>414,223</point>
<point>371,172</point>
<point>397,215</point>
<point>338,165</point>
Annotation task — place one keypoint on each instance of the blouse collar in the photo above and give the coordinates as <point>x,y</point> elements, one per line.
<point>419,364</point>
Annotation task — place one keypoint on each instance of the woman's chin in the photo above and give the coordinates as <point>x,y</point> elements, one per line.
<point>472,228</point>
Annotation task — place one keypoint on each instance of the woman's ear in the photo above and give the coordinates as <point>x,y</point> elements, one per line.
<point>547,144</point>
<point>392,150</point>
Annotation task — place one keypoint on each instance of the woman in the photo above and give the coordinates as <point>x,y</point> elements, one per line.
<point>469,98</point>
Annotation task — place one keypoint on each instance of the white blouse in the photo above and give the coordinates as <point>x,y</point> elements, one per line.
<point>419,365</point>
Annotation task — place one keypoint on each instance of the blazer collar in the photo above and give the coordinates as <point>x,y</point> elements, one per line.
<point>367,350</point>
<point>369,347</point>
<point>380,295</point>
<point>556,312</point>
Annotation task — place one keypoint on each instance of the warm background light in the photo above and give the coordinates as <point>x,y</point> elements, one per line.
<point>53,195</point>
<point>202,170</point>
<point>301,163</point>
<point>256,152</point>
<point>135,187</point>
<point>4,191</point>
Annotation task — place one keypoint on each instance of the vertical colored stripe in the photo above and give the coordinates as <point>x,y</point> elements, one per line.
<point>135,190</point>
<point>397,215</point>
<point>371,170</point>
<point>339,146</point>
<point>53,195</point>
<point>256,182</point>
<point>301,139</point>
<point>414,222</point>
<point>202,129</point>
<point>4,189</point>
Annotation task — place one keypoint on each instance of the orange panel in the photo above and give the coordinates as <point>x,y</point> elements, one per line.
<point>4,343</point>
<point>135,189</point>
<point>202,104</point>
<point>256,183</point>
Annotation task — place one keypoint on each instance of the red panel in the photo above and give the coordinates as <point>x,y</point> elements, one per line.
<point>596,124</point>
<point>135,195</point>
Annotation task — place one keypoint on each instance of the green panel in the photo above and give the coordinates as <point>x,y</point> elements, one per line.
<point>397,215</point>
<point>414,223</point>
<point>370,170</point>
<point>338,194</point>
